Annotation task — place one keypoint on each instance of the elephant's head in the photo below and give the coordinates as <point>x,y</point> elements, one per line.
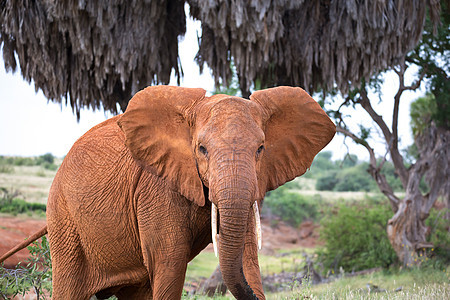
<point>238,148</point>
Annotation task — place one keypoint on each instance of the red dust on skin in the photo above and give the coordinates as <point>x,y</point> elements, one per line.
<point>13,230</point>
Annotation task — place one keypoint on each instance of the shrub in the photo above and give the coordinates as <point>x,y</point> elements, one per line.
<point>321,164</point>
<point>439,235</point>
<point>355,238</point>
<point>48,158</point>
<point>50,166</point>
<point>327,182</point>
<point>5,168</point>
<point>36,275</point>
<point>291,207</point>
<point>24,161</point>
<point>9,203</point>
<point>354,179</point>
<point>18,206</point>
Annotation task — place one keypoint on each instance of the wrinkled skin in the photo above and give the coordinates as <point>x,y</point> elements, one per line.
<point>131,204</point>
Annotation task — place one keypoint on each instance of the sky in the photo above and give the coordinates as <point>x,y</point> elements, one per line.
<point>30,125</point>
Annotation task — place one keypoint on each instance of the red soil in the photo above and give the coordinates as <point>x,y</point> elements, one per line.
<point>14,230</point>
<point>275,235</point>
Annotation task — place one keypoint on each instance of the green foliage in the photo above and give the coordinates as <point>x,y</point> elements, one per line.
<point>46,158</point>
<point>6,168</point>
<point>327,182</point>
<point>439,236</point>
<point>432,56</point>
<point>322,164</point>
<point>36,275</point>
<point>290,206</point>
<point>355,237</point>
<point>9,203</point>
<point>349,174</point>
<point>232,87</point>
<point>24,161</point>
<point>421,112</point>
<point>47,161</point>
<point>354,179</point>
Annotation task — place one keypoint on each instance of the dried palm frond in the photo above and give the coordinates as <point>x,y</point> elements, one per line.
<point>99,53</point>
<point>307,43</point>
<point>92,53</point>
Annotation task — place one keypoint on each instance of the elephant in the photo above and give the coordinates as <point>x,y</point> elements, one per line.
<point>141,194</point>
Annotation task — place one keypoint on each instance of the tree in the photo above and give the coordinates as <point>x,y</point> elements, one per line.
<point>406,229</point>
<point>99,53</point>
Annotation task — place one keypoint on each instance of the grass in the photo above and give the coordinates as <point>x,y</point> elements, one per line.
<point>410,284</point>
<point>307,187</point>
<point>427,283</point>
<point>33,182</point>
<point>201,266</point>
<point>290,260</point>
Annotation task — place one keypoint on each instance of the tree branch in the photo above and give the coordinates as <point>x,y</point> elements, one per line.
<point>365,103</point>
<point>374,170</point>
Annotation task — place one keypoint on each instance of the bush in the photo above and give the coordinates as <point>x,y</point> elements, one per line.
<point>24,161</point>
<point>9,203</point>
<point>50,166</point>
<point>291,207</point>
<point>327,182</point>
<point>46,158</point>
<point>355,238</point>
<point>350,179</point>
<point>439,235</point>
<point>36,275</point>
<point>19,206</point>
<point>354,179</point>
<point>5,168</point>
<point>321,164</point>
<point>47,161</point>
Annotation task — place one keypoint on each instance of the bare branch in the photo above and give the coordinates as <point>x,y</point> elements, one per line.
<point>374,171</point>
<point>365,103</point>
<point>397,158</point>
<point>358,141</point>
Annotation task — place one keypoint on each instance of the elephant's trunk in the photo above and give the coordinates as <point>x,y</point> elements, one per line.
<point>234,194</point>
<point>233,227</point>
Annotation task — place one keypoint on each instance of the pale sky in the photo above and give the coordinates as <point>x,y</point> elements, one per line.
<point>30,125</point>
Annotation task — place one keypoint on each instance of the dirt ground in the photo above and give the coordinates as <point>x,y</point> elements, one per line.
<point>14,230</point>
<point>275,235</point>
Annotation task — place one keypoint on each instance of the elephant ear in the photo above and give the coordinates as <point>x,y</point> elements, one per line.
<point>157,133</point>
<point>296,128</point>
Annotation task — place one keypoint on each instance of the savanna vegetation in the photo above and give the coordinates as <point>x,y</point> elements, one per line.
<point>352,238</point>
<point>352,201</point>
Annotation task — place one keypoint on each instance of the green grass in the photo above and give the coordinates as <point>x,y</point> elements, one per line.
<point>414,284</point>
<point>426,283</point>
<point>410,284</point>
<point>33,182</point>
<point>201,266</point>
<point>290,260</point>
<point>306,186</point>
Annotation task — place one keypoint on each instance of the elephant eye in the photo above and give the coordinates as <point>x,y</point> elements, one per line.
<point>260,149</point>
<point>202,150</point>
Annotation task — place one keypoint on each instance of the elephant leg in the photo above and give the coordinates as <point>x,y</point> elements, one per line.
<point>250,260</point>
<point>69,276</point>
<point>166,264</point>
<point>168,279</point>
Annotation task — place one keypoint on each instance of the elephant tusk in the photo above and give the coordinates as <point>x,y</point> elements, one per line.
<point>214,226</point>
<point>258,224</point>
